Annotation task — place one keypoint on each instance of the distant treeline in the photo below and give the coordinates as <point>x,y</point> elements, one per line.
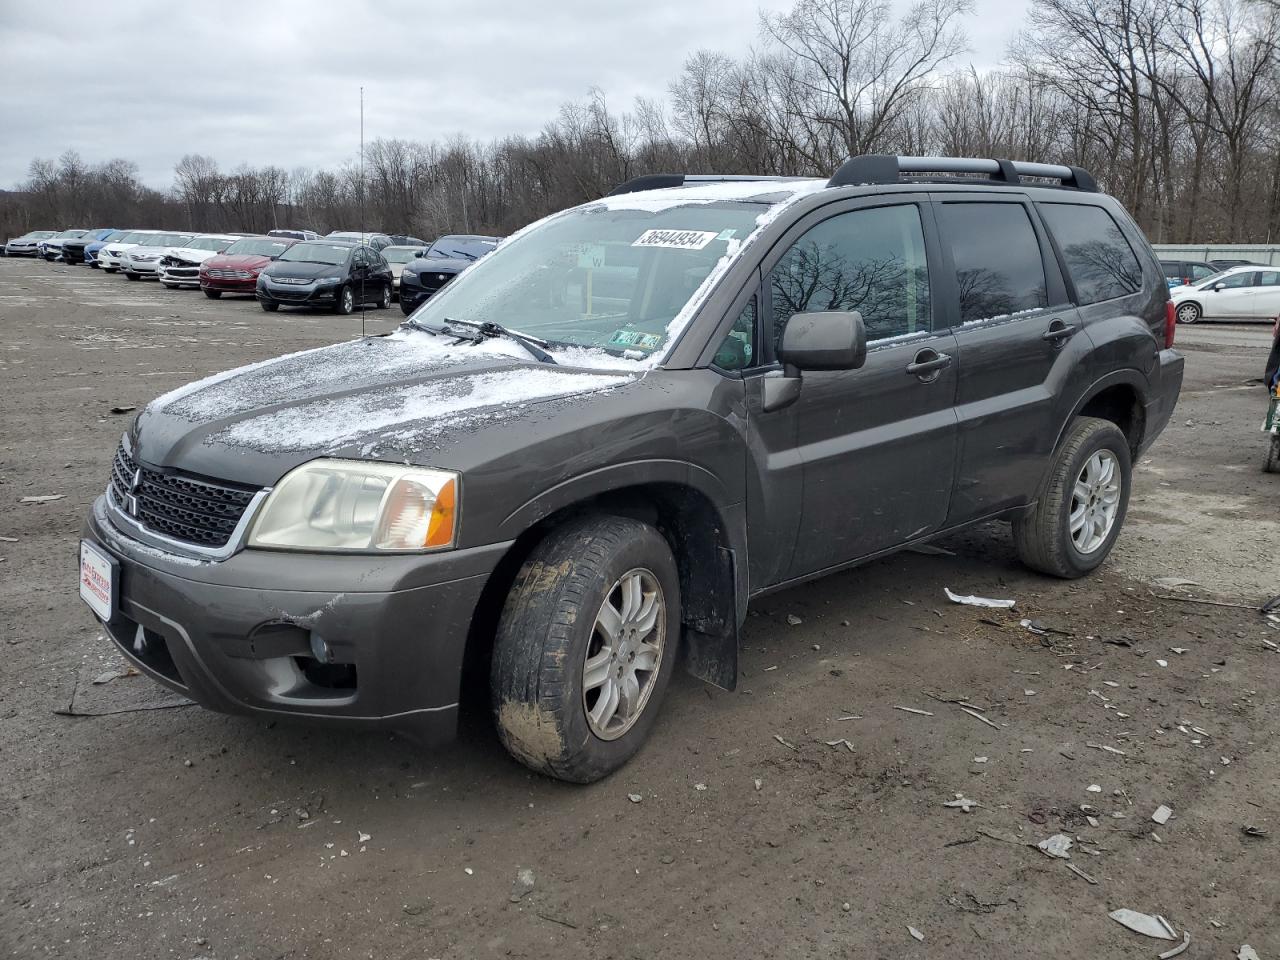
<point>1172,104</point>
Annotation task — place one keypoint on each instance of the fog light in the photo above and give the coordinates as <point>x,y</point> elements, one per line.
<point>319,649</point>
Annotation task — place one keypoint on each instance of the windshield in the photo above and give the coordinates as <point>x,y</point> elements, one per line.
<point>208,243</point>
<point>315,252</point>
<point>1210,281</point>
<point>70,234</point>
<point>38,235</point>
<point>166,240</point>
<point>462,248</point>
<point>598,278</point>
<point>257,246</point>
<point>399,254</point>
<point>137,237</point>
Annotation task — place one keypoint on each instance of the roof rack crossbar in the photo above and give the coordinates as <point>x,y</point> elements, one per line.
<point>658,181</point>
<point>879,168</point>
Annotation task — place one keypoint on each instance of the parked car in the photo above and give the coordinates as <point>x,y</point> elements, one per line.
<point>1228,264</point>
<point>799,376</point>
<point>403,240</point>
<point>91,249</point>
<point>25,245</point>
<point>337,274</point>
<point>1239,293</point>
<point>236,269</point>
<point>73,248</point>
<point>111,254</point>
<point>180,266</point>
<point>50,249</point>
<point>294,234</point>
<point>1182,272</point>
<point>397,256</point>
<point>143,260</point>
<point>375,240</point>
<point>422,277</point>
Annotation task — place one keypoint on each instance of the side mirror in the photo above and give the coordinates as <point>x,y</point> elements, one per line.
<point>418,254</point>
<point>830,340</point>
<point>1217,287</point>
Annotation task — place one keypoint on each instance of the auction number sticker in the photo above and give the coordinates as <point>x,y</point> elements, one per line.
<point>675,239</point>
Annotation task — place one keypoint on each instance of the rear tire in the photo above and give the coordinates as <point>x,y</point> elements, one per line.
<point>552,634</point>
<point>1272,463</point>
<point>213,294</point>
<point>1077,494</point>
<point>384,301</point>
<point>1187,312</point>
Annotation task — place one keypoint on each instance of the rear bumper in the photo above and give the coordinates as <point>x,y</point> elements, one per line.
<point>1167,384</point>
<point>237,635</point>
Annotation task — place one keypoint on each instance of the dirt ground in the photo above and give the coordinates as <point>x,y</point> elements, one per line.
<point>176,832</point>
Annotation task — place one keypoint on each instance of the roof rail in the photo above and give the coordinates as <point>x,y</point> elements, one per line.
<point>881,168</point>
<point>659,181</point>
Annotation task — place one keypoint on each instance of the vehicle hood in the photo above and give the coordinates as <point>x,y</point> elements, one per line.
<point>401,398</point>
<point>189,254</point>
<point>237,261</point>
<point>53,243</point>
<point>437,265</point>
<point>114,248</point>
<point>140,250</point>
<point>305,271</point>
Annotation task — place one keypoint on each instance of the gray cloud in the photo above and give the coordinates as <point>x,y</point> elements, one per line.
<point>278,83</point>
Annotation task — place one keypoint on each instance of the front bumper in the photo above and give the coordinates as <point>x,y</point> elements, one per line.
<point>1168,384</point>
<point>15,251</point>
<point>237,635</point>
<point>182,276</point>
<point>298,294</point>
<point>145,268</point>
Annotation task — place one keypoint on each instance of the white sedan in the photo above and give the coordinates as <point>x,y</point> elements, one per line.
<point>1246,292</point>
<point>143,260</point>
<point>110,256</point>
<point>180,266</point>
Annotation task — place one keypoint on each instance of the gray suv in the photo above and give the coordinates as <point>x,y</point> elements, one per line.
<point>579,462</point>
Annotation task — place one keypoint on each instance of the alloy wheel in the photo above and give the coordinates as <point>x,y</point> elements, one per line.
<point>1095,501</point>
<point>624,654</point>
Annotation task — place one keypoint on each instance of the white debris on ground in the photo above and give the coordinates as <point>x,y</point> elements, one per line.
<point>972,600</point>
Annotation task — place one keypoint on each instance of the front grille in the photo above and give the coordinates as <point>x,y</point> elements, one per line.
<point>291,295</point>
<point>296,281</point>
<point>184,272</point>
<point>217,274</point>
<point>199,512</point>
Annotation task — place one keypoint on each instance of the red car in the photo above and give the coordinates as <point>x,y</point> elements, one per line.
<point>236,269</point>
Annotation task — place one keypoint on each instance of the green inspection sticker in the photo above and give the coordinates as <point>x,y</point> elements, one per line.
<point>635,338</point>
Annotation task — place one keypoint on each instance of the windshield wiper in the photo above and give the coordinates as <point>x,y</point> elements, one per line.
<point>487,329</point>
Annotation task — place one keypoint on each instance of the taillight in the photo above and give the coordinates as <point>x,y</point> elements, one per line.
<point>1170,323</point>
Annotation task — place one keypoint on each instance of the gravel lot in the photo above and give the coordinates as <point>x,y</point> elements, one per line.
<point>179,833</point>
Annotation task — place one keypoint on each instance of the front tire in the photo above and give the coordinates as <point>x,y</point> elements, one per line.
<point>268,306</point>
<point>1082,505</point>
<point>133,276</point>
<point>345,302</point>
<point>1187,312</point>
<point>1272,463</point>
<point>585,647</point>
<point>213,294</point>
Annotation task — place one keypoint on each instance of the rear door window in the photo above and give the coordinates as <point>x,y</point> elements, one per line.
<point>997,261</point>
<point>1098,257</point>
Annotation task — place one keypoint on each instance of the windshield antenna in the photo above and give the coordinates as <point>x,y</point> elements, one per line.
<point>362,237</point>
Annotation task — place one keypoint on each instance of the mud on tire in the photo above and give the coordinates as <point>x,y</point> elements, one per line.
<point>1043,536</point>
<point>549,628</point>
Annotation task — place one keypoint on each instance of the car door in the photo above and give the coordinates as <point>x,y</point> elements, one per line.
<point>1018,343</point>
<point>359,273</point>
<point>1266,296</point>
<point>876,446</point>
<point>1231,297</point>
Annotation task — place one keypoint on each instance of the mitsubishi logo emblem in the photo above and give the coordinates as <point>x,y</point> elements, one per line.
<point>131,501</point>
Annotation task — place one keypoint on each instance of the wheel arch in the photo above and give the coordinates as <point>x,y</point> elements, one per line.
<point>687,505</point>
<point>1119,397</point>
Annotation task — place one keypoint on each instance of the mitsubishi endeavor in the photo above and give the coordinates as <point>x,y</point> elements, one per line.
<point>583,458</point>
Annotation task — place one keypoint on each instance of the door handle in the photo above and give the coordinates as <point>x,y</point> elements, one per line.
<point>1059,332</point>
<point>927,364</point>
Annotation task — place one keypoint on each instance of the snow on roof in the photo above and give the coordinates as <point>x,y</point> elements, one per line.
<point>760,191</point>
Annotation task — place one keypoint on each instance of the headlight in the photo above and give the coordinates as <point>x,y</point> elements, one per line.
<point>331,279</point>
<point>351,505</point>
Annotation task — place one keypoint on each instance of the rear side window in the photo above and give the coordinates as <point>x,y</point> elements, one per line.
<point>997,259</point>
<point>872,261</point>
<point>1101,262</point>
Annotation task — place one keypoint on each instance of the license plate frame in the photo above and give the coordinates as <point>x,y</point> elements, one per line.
<point>99,581</point>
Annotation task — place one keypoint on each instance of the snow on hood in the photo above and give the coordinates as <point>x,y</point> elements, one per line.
<point>191,254</point>
<point>380,393</point>
<point>400,416</point>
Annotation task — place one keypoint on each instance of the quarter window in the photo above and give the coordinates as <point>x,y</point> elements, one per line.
<point>737,350</point>
<point>872,261</point>
<point>997,259</point>
<point>1098,257</point>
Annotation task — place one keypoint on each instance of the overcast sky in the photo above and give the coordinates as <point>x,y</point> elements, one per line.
<point>278,83</point>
